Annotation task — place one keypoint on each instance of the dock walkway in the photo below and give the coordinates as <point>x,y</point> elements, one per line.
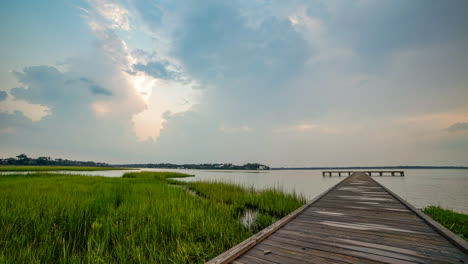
<point>356,221</point>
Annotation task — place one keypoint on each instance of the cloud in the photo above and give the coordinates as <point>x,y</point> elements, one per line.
<point>458,127</point>
<point>240,129</point>
<point>377,29</point>
<point>3,95</point>
<point>216,78</point>
<point>158,70</point>
<point>96,89</point>
<point>117,15</point>
<point>48,86</point>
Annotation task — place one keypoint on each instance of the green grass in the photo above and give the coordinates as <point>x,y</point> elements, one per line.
<point>453,221</point>
<point>55,168</point>
<point>140,218</point>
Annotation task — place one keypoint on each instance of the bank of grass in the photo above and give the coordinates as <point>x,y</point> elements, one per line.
<point>55,168</point>
<point>140,218</point>
<point>453,221</point>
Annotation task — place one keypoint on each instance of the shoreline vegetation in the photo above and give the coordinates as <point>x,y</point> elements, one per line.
<point>23,168</point>
<point>24,160</point>
<point>454,221</point>
<point>139,218</point>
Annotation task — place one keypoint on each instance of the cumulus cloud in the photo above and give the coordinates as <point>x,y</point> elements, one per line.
<point>215,78</point>
<point>48,86</point>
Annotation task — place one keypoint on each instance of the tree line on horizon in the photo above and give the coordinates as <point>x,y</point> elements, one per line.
<point>205,166</point>
<point>23,159</point>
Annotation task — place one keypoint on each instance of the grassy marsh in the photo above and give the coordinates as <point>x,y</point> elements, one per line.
<point>453,221</point>
<point>139,218</point>
<point>54,168</point>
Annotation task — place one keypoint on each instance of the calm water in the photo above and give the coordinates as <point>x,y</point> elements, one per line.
<point>447,188</point>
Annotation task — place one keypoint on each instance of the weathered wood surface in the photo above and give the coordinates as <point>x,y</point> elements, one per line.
<point>356,221</point>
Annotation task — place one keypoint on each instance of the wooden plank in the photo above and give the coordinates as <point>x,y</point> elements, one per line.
<point>348,246</point>
<point>425,248</point>
<point>376,235</point>
<point>295,256</point>
<point>360,254</point>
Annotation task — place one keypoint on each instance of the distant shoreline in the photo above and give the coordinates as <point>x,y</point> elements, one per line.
<point>377,167</point>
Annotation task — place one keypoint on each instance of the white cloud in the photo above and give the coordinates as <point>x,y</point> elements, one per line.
<point>117,15</point>
<point>163,98</point>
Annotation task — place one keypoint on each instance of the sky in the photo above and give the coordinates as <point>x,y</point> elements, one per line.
<point>284,83</point>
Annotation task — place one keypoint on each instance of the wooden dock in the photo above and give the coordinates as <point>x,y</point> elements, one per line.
<point>370,173</point>
<point>356,221</point>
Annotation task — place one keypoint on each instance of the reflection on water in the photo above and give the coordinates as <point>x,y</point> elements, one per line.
<point>421,188</point>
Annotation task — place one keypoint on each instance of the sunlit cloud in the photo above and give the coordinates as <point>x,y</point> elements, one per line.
<point>101,108</point>
<point>35,112</point>
<point>117,15</point>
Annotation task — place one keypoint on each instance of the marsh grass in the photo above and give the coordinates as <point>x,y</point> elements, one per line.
<point>140,218</point>
<point>272,201</point>
<point>453,221</point>
<point>55,168</point>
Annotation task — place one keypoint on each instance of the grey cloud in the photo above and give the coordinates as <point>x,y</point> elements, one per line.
<point>379,28</point>
<point>50,87</point>
<point>150,11</point>
<point>87,81</point>
<point>96,89</point>
<point>458,127</point>
<point>248,68</point>
<point>3,95</point>
<point>45,85</point>
<point>93,87</point>
<point>15,120</point>
<point>159,70</point>
<point>76,127</point>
